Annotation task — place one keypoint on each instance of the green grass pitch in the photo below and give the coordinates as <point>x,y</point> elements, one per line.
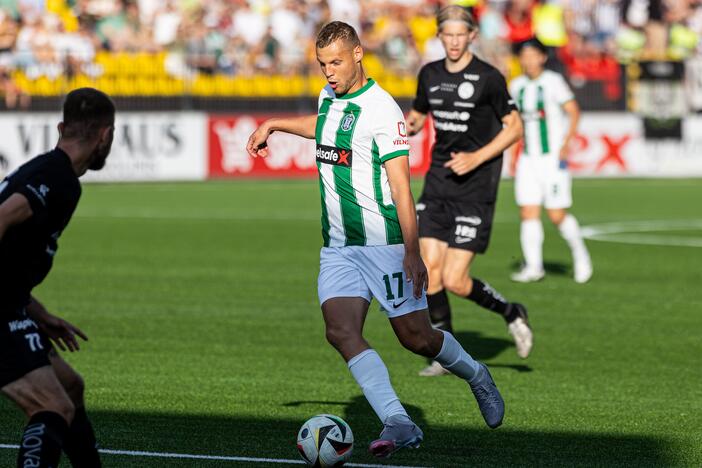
<point>206,336</point>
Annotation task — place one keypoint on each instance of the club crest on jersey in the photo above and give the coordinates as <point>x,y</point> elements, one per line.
<point>466,90</point>
<point>347,122</point>
<point>401,129</point>
<point>333,155</point>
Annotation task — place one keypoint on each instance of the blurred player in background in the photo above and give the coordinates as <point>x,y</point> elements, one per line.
<point>369,229</point>
<point>551,116</point>
<point>36,204</point>
<point>475,121</point>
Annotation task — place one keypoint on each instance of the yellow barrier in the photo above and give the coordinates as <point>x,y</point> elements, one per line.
<point>145,74</point>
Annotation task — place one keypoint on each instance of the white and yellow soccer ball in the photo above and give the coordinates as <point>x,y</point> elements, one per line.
<point>325,440</point>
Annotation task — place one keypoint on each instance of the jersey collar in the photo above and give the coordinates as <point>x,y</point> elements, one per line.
<point>359,92</point>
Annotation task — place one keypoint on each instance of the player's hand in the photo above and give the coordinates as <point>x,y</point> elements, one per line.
<point>257,146</point>
<point>413,125</point>
<point>563,164</point>
<point>62,333</point>
<point>416,272</point>
<point>463,162</point>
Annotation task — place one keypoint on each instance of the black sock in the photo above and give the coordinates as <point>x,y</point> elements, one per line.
<point>80,444</point>
<point>42,440</point>
<point>485,296</point>
<point>440,311</point>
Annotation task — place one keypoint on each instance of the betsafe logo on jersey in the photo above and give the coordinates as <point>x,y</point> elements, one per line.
<point>333,155</point>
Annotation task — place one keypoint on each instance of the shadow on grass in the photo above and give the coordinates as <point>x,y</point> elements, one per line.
<point>275,438</point>
<point>485,348</point>
<point>551,268</point>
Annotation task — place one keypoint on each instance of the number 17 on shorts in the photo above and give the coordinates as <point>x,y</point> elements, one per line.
<point>369,272</point>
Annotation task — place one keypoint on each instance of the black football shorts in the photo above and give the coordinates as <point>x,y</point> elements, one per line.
<point>462,224</point>
<point>23,347</point>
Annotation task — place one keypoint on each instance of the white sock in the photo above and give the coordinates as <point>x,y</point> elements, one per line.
<point>373,378</point>
<point>570,231</point>
<point>532,239</point>
<point>454,358</point>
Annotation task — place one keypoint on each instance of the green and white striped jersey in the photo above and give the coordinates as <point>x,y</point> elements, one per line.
<point>356,134</point>
<point>540,103</point>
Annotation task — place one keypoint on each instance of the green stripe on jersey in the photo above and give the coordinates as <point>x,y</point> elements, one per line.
<point>394,155</point>
<point>521,109</point>
<point>543,127</point>
<point>350,209</point>
<point>389,212</point>
<point>321,119</point>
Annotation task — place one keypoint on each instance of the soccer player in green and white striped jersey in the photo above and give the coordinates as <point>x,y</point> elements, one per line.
<point>550,115</point>
<point>369,228</point>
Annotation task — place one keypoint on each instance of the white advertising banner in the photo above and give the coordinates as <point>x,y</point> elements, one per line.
<point>612,145</point>
<point>161,146</point>
<point>148,146</point>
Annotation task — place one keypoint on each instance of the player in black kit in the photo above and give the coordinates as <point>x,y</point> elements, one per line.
<point>36,203</point>
<point>475,121</point>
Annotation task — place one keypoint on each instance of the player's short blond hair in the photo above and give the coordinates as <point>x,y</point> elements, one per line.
<point>336,30</point>
<point>455,13</point>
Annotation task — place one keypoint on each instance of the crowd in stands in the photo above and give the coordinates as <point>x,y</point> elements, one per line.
<point>51,39</point>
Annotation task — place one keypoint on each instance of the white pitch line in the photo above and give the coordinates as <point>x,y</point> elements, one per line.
<point>632,232</point>
<point>138,453</point>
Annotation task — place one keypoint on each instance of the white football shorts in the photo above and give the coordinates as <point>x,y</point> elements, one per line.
<point>367,272</point>
<point>539,181</point>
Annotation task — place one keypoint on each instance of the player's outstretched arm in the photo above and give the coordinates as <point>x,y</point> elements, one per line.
<point>571,109</point>
<point>399,179</point>
<point>301,126</point>
<point>462,162</point>
<point>15,210</point>
<point>61,332</point>
<point>415,122</point>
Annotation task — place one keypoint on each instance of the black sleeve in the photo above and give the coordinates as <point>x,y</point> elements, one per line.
<point>45,190</point>
<point>500,100</point>
<point>421,102</point>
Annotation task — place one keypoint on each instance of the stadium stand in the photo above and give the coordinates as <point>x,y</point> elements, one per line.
<point>209,49</point>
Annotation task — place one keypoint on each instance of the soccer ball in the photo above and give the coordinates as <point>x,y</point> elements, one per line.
<point>325,440</point>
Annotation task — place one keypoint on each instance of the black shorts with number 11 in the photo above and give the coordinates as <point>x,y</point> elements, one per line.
<point>23,347</point>
<point>462,224</point>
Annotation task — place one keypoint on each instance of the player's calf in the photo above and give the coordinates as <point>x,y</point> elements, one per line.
<point>42,439</point>
<point>416,334</point>
<point>80,443</point>
<point>42,398</point>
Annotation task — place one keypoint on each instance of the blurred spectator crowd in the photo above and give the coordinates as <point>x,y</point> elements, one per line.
<point>55,39</point>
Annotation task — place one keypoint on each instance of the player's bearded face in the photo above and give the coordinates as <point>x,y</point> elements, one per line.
<point>340,63</point>
<point>456,37</point>
<point>102,150</point>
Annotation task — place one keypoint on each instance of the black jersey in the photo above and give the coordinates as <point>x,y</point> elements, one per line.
<point>467,108</point>
<point>27,250</point>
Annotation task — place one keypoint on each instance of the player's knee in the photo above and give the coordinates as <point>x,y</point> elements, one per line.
<point>75,387</point>
<point>59,405</point>
<point>67,409</point>
<point>338,336</point>
<point>435,280</point>
<point>457,284</point>
<point>556,216</point>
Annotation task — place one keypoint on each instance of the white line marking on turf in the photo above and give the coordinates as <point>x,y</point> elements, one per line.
<point>138,453</point>
<point>630,232</point>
